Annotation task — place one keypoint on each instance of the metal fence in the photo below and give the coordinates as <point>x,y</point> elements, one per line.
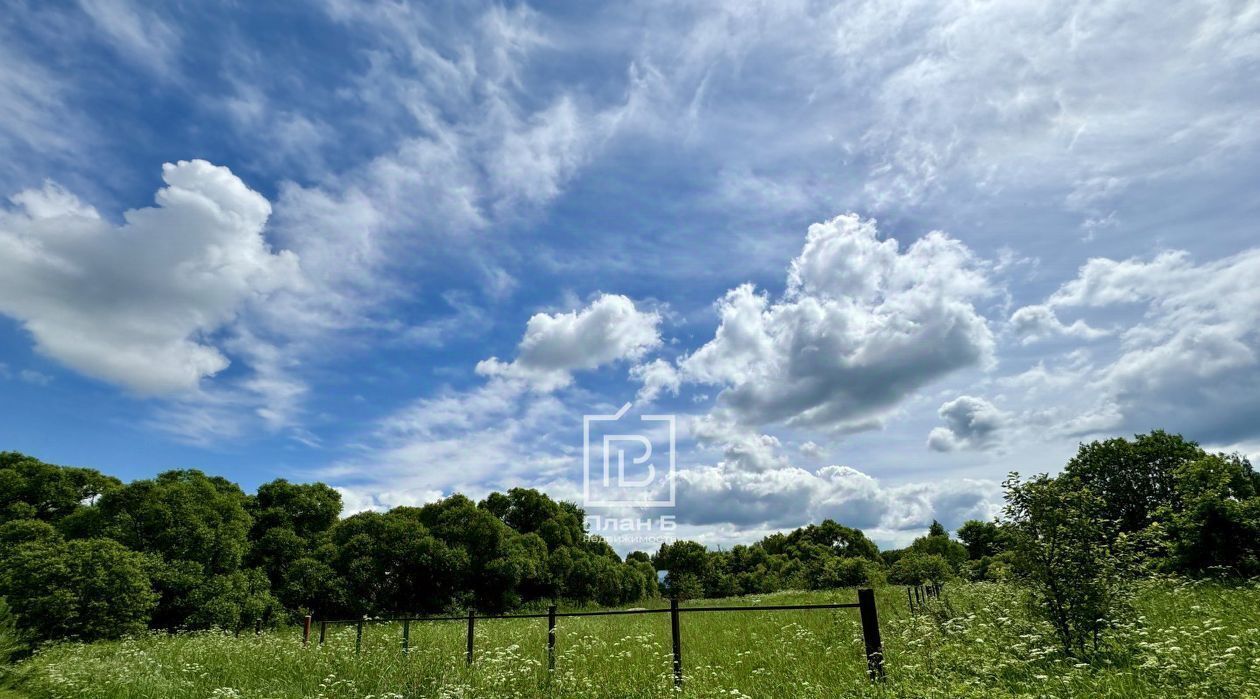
<point>918,595</point>
<point>865,606</point>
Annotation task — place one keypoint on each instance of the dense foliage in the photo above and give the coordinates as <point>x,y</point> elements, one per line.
<point>84,555</point>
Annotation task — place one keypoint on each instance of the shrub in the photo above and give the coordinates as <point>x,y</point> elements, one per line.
<point>919,569</point>
<point>1069,556</point>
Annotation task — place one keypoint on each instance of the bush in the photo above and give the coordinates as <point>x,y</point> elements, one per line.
<point>920,569</point>
<point>88,588</point>
<point>10,638</point>
<point>1069,556</point>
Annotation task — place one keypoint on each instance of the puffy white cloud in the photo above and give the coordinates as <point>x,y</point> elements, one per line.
<point>657,376</point>
<point>137,304</point>
<point>861,325</point>
<point>611,328</point>
<point>755,486</point>
<point>970,423</point>
<point>1039,321</point>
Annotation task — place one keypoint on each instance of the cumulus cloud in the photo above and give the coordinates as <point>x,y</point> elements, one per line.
<point>1039,321</point>
<point>610,329</point>
<point>137,304</point>
<point>970,423</point>
<point>755,486</point>
<point>1183,357</point>
<point>657,376</point>
<point>862,325</point>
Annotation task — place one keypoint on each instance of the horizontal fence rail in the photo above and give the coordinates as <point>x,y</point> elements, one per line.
<point>865,606</point>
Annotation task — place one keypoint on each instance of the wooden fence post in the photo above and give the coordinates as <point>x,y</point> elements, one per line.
<point>673,622</point>
<point>406,636</point>
<point>870,634</point>
<point>551,637</point>
<point>306,631</point>
<point>471,619</point>
<point>358,637</point>
<point>323,627</point>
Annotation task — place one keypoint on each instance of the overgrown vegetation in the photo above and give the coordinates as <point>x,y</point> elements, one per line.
<point>1185,639</point>
<point>84,556</point>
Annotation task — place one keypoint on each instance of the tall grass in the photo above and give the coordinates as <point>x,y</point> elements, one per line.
<point>1189,640</point>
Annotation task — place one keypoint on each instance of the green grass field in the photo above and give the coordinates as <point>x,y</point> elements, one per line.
<point>1188,640</point>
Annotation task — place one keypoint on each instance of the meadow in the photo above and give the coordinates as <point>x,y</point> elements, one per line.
<point>1184,639</point>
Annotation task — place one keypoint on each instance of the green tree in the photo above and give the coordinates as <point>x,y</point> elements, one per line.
<point>191,526</point>
<point>1066,551</point>
<point>981,539</point>
<point>32,489</point>
<point>1218,524</point>
<point>85,588</point>
<point>11,638</point>
<point>234,601</point>
<point>181,516</point>
<point>1133,479</point>
<point>917,568</point>
<point>306,509</point>
<point>312,586</point>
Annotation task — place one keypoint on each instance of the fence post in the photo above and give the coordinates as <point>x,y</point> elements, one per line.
<point>870,634</point>
<point>323,627</point>
<point>471,619</point>
<point>910,599</point>
<point>673,622</point>
<point>551,637</point>
<point>358,636</point>
<point>306,630</point>
<point>406,636</point>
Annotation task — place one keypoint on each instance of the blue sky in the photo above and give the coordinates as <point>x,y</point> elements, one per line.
<point>872,255</point>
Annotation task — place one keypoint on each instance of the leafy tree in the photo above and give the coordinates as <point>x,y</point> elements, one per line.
<point>234,601</point>
<point>1065,550</point>
<point>181,516</point>
<point>1133,479</point>
<point>191,526</point>
<point>939,544</point>
<point>834,572</point>
<point>11,638</point>
<point>981,539</point>
<point>392,562</point>
<point>32,489</point>
<point>916,568</point>
<point>311,586</point>
<point>687,564</point>
<point>306,509</point>
<point>85,588</point>
<point>1218,525</point>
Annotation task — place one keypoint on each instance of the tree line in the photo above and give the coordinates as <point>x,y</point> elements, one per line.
<point>83,555</point>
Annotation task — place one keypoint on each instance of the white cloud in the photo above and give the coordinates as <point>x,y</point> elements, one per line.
<point>657,376</point>
<point>137,304</point>
<point>610,329</point>
<point>755,486</point>
<point>1183,356</point>
<point>970,423</point>
<point>138,32</point>
<point>1036,322</point>
<point>862,325</point>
